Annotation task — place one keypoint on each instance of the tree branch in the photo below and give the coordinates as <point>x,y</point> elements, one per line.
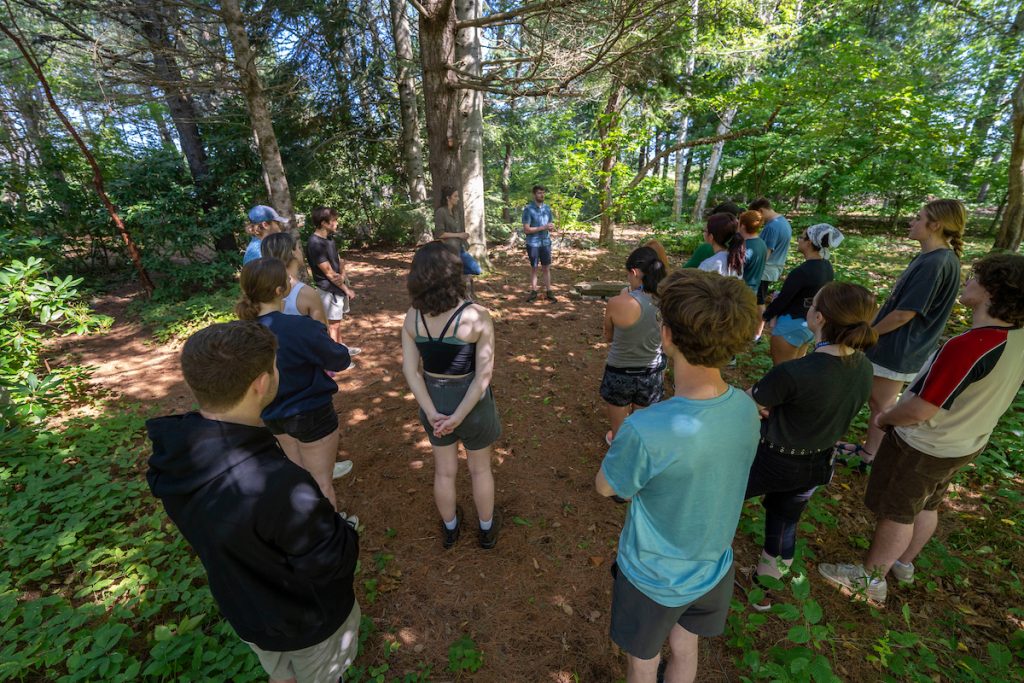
<point>521,13</point>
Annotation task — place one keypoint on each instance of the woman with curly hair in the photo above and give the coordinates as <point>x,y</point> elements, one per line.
<point>448,359</point>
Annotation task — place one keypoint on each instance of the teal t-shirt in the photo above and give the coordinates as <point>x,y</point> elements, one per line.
<point>754,261</point>
<point>685,465</point>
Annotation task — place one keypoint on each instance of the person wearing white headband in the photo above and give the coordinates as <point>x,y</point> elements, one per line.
<point>787,313</point>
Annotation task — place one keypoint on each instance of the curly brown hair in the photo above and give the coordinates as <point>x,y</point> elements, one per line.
<point>221,361</point>
<point>435,280</point>
<point>1002,276</point>
<point>711,317</point>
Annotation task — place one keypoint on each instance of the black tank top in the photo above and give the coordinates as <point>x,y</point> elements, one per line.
<point>446,355</point>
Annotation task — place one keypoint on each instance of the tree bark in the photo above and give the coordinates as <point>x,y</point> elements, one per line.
<point>1012,226</point>
<point>440,105</point>
<point>469,54</point>
<point>97,174</point>
<point>609,122</point>
<point>997,156</point>
<point>506,182</point>
<point>259,110</point>
<point>712,166</point>
<point>412,154</point>
<point>684,126</point>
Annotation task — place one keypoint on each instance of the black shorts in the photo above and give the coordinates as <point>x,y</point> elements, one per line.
<point>640,626</point>
<point>762,292</point>
<point>307,427</point>
<point>641,387</point>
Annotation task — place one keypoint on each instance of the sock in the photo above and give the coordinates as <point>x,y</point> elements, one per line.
<point>486,526</point>
<point>908,565</point>
<point>450,526</point>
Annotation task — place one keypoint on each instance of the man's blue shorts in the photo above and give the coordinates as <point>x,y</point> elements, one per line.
<point>539,252</point>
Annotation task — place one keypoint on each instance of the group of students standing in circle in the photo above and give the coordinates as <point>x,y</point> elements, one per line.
<point>685,463</point>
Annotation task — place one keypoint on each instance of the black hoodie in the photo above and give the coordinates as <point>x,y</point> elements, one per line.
<point>279,559</point>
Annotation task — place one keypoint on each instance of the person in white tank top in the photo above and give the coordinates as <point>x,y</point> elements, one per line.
<point>301,299</point>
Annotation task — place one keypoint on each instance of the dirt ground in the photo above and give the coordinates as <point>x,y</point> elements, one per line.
<point>537,605</point>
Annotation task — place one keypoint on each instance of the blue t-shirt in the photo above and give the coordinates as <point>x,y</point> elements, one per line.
<point>252,252</point>
<point>776,234</point>
<point>685,464</point>
<point>536,216</point>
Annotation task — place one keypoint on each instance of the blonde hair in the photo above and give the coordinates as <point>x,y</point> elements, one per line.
<point>951,215</point>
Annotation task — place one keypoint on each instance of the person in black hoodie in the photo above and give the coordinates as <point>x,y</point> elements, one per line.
<point>279,559</point>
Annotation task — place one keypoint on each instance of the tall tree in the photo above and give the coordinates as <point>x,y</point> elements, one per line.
<point>711,168</point>
<point>412,155</point>
<point>259,109</point>
<point>437,22</point>
<point>1012,227</point>
<point>686,120</point>
<point>469,56</point>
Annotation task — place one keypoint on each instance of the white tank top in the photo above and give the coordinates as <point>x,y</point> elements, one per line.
<point>289,301</point>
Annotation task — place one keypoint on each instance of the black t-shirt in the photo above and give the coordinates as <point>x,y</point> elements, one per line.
<point>320,250</point>
<point>798,291</point>
<point>929,288</point>
<point>813,399</point>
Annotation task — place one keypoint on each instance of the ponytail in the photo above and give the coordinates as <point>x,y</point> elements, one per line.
<point>724,230</point>
<point>262,280</point>
<point>951,215</point>
<point>737,253</point>
<point>646,260</point>
<point>848,310</point>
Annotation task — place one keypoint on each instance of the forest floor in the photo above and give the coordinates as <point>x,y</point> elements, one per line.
<point>537,606</point>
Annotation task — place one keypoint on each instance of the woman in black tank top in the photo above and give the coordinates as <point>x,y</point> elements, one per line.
<point>448,359</point>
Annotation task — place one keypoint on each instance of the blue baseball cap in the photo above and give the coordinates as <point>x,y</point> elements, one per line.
<point>262,214</point>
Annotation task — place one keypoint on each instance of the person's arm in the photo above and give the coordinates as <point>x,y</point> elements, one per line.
<point>602,485</point>
<point>337,279</point>
<point>910,411</point>
<point>332,355</point>
<point>309,304</point>
<point>626,467</point>
<point>412,372</point>
<point>453,235</point>
<point>776,387</point>
<point>793,284</point>
<point>481,377</point>
<point>893,321</point>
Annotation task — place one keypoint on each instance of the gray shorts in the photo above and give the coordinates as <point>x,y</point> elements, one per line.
<point>335,305</point>
<point>482,426</point>
<point>325,661</point>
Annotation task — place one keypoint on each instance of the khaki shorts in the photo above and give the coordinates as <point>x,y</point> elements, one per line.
<point>904,481</point>
<point>325,661</point>
<point>335,305</point>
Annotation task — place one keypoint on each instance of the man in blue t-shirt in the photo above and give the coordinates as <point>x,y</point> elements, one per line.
<point>538,223</point>
<point>777,233</point>
<point>684,464</point>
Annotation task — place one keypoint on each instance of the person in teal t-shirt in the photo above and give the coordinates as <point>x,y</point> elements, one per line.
<point>684,464</point>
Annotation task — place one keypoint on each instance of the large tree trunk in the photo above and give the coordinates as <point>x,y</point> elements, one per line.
<point>469,54</point>
<point>1012,227</point>
<point>412,155</point>
<point>684,126</point>
<point>712,166</point>
<point>259,111</point>
<point>609,122</point>
<point>440,106</point>
<point>506,181</point>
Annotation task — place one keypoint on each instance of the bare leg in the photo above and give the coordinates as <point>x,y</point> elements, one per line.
<point>682,668</point>
<point>891,542</point>
<point>760,325</point>
<point>446,466</point>
<point>924,528</point>
<point>290,446</point>
<point>318,457</point>
<point>616,416</point>
<point>483,482</point>
<point>884,393</point>
<point>533,278</point>
<point>782,350</point>
<point>642,670</point>
<point>334,330</point>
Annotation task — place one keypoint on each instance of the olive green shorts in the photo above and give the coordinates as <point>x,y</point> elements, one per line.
<point>482,426</point>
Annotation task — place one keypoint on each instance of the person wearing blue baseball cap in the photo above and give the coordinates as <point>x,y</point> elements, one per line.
<point>263,221</point>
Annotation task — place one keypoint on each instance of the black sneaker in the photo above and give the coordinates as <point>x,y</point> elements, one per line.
<point>450,536</point>
<point>532,297</point>
<point>489,538</point>
<point>550,296</point>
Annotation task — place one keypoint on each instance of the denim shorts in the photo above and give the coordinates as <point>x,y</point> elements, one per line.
<point>469,264</point>
<point>539,253</point>
<point>793,330</point>
<point>307,427</point>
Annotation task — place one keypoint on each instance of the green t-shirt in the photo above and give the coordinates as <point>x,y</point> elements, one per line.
<point>704,251</point>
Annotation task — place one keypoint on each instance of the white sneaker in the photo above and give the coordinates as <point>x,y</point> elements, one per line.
<point>342,468</point>
<point>904,573</point>
<point>353,520</point>
<point>354,350</point>
<point>856,580</point>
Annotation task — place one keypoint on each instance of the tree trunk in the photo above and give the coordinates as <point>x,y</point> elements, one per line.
<point>684,126</point>
<point>469,54</point>
<point>656,171</point>
<point>609,122</point>
<point>259,111</point>
<point>506,182</point>
<point>711,169</point>
<point>997,156</point>
<point>412,154</point>
<point>1012,226</point>
<point>440,106</point>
